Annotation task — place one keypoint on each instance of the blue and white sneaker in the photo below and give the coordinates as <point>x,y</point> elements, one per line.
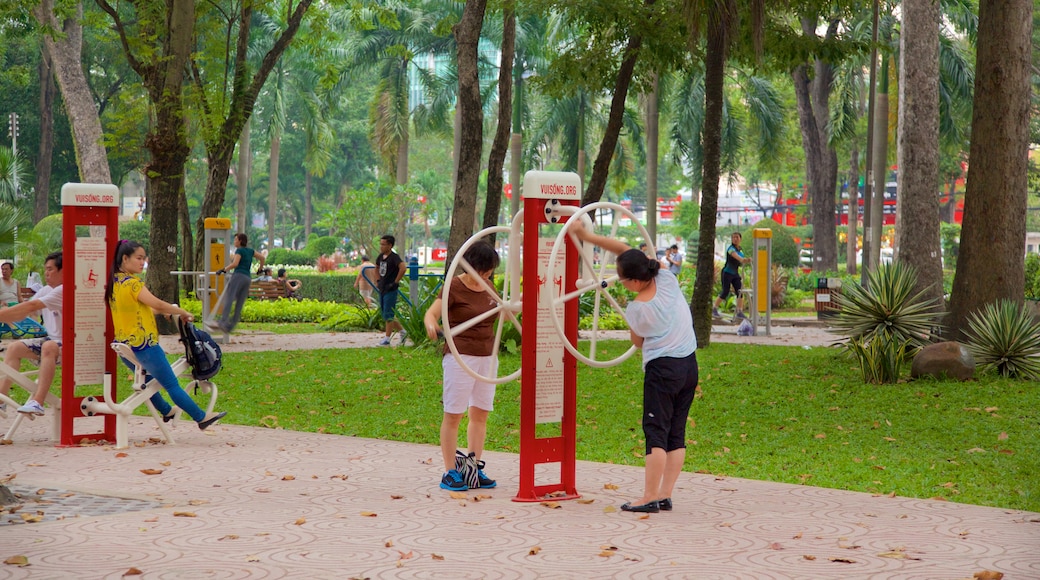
<point>385,341</point>
<point>452,481</point>
<point>403,335</point>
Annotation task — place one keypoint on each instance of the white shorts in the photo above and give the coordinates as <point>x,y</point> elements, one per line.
<point>461,391</point>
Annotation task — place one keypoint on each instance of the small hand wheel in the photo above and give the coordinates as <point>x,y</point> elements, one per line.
<point>506,308</point>
<point>591,278</point>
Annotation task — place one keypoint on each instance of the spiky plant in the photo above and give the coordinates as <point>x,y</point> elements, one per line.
<point>880,360</point>
<point>887,308</point>
<point>1005,337</point>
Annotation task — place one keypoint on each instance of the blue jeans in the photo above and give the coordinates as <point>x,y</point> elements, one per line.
<point>153,359</point>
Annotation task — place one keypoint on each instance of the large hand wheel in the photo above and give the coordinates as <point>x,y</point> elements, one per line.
<point>591,278</point>
<point>508,305</point>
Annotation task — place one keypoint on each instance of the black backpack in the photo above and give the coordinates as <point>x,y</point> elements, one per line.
<point>202,352</point>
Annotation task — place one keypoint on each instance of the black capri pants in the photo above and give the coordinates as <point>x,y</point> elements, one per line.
<point>669,385</point>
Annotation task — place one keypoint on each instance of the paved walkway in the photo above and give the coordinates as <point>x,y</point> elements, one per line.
<point>245,502</point>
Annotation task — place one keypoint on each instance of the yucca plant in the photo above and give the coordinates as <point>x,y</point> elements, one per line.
<point>1005,337</point>
<point>887,307</point>
<point>886,322</point>
<point>880,360</point>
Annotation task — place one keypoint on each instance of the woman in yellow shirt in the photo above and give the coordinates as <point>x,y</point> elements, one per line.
<point>133,310</point>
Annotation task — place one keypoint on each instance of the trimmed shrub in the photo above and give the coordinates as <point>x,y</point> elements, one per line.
<point>785,250</point>
<point>321,246</point>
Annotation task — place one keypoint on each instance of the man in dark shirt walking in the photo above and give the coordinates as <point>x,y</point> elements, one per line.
<point>390,269</point>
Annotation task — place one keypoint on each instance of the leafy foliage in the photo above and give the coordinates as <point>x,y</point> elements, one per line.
<point>1004,337</point>
<point>886,322</point>
<point>887,308</point>
<point>356,317</point>
<point>283,310</point>
<point>785,250</point>
<point>1032,290</point>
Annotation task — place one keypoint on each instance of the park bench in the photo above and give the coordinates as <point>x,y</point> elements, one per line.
<point>266,290</point>
<point>26,293</point>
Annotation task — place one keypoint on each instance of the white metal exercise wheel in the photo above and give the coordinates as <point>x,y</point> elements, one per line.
<point>590,279</point>
<point>508,304</point>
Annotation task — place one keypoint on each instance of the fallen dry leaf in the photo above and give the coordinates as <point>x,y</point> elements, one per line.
<point>19,561</point>
<point>288,477</point>
<point>644,517</point>
<point>407,556</point>
<point>842,560</point>
<point>228,537</point>
<point>609,486</point>
<point>534,551</point>
<point>389,544</point>
<point>198,501</point>
<point>164,463</point>
<point>820,436</point>
<point>183,514</point>
<point>369,514</point>
<point>992,409</point>
<point>252,558</point>
<point>607,554</point>
<point>456,495</point>
<point>609,509</point>
<point>976,450</point>
<point>31,518</point>
<point>300,522</point>
<point>1002,436</point>
<point>608,547</point>
<point>554,505</point>
<point>585,501</point>
<point>121,454</point>
<point>339,476</point>
<point>263,490</point>
<point>151,520</point>
<point>988,575</point>
<point>808,557</point>
<point>437,556</point>
<point>132,572</point>
<point>151,471</point>
<point>797,536</point>
<point>41,492</point>
<point>775,546</point>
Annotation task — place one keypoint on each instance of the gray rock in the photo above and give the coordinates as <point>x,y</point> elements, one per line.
<point>944,359</point>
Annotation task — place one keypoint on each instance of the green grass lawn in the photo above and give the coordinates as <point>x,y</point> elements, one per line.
<point>785,414</point>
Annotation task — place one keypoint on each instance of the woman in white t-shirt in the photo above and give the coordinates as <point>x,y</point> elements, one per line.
<point>660,324</point>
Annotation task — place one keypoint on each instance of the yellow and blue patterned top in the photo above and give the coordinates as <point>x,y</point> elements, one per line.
<point>134,322</point>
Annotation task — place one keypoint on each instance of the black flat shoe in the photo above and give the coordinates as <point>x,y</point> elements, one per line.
<point>203,424</point>
<point>665,504</point>
<point>169,416</point>
<point>647,508</point>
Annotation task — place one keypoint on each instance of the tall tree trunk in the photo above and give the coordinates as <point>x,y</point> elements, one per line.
<point>187,258</point>
<point>824,203</point>
<point>66,55</point>
<point>853,214</point>
<point>601,167</point>
<point>917,210</point>
<point>272,186</point>
<point>711,170</point>
<point>880,169</point>
<point>990,265</point>
<point>46,151</point>
<point>815,169</point>
<point>308,207</point>
<point>467,34</point>
<point>497,157</point>
<point>652,135</point>
<point>242,179</point>
<point>220,150</point>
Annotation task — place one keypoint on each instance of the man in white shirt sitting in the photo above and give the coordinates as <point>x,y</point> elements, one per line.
<point>46,351</point>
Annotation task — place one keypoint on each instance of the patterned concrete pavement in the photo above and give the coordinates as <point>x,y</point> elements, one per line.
<point>243,502</point>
